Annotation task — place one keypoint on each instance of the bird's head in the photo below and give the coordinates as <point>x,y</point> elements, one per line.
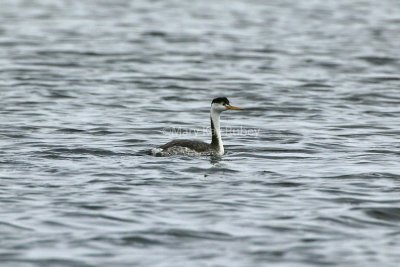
<point>221,104</point>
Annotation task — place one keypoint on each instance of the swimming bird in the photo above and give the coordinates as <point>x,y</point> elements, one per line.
<point>195,147</point>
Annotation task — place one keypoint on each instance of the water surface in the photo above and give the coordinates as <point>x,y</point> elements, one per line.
<point>87,86</point>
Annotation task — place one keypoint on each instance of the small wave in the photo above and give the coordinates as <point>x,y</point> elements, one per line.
<point>192,234</point>
<point>128,239</point>
<point>366,175</point>
<point>21,261</point>
<point>70,130</point>
<point>6,226</point>
<point>78,151</point>
<point>375,60</point>
<point>315,85</point>
<point>382,213</point>
<point>209,170</point>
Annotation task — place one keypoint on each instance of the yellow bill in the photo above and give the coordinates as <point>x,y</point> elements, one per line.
<point>233,107</point>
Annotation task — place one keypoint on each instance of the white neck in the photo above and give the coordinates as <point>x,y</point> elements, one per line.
<point>215,115</point>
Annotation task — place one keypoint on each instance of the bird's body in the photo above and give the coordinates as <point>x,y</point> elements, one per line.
<point>184,147</point>
<point>195,147</point>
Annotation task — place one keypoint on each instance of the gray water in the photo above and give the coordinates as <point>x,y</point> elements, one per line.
<point>88,86</point>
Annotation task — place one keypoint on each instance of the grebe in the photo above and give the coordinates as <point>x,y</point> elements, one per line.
<point>195,147</point>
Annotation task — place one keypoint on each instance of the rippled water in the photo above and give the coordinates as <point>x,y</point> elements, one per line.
<point>87,86</point>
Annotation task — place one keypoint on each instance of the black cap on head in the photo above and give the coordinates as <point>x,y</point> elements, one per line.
<point>221,100</point>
